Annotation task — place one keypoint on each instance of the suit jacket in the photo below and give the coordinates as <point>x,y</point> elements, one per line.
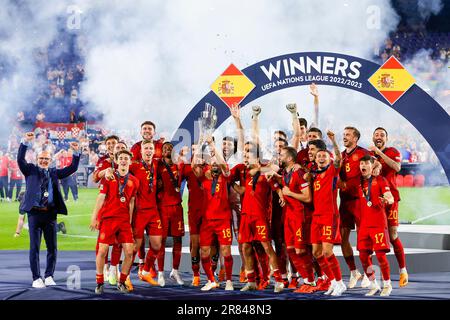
<point>33,181</point>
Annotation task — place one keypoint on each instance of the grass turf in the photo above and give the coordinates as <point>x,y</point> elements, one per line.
<point>415,203</point>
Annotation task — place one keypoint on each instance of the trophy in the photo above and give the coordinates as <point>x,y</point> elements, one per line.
<point>208,120</point>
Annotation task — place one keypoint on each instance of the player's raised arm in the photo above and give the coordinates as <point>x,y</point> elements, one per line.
<point>315,92</point>
<point>236,113</point>
<point>390,162</point>
<point>24,166</point>
<point>295,141</point>
<point>255,124</point>
<point>220,160</point>
<point>98,205</point>
<point>337,153</point>
<point>196,168</point>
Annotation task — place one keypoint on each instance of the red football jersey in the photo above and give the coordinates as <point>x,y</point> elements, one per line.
<point>136,150</point>
<point>4,161</point>
<point>350,172</point>
<point>374,215</point>
<point>195,187</point>
<point>387,172</point>
<point>296,183</point>
<point>15,171</point>
<point>113,207</point>
<point>258,196</point>
<point>325,192</point>
<point>103,163</point>
<point>302,157</point>
<point>148,177</point>
<point>167,195</point>
<point>217,204</point>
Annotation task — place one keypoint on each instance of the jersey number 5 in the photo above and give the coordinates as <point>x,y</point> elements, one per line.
<point>316,185</point>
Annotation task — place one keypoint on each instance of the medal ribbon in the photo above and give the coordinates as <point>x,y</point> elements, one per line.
<point>214,184</point>
<point>288,176</point>
<point>255,180</point>
<point>369,188</point>
<point>150,183</point>
<point>122,186</point>
<point>172,177</point>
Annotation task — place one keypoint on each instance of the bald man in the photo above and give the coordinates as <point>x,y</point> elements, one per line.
<point>42,202</point>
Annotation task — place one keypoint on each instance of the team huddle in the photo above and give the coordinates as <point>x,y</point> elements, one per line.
<point>283,211</point>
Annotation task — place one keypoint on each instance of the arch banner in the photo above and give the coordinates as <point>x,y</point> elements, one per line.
<point>390,83</point>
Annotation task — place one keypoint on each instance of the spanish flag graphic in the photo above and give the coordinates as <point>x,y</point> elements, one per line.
<point>232,86</point>
<point>392,80</point>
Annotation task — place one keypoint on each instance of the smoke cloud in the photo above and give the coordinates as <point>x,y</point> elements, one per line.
<point>155,59</point>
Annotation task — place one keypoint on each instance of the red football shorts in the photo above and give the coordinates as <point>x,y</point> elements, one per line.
<point>172,221</point>
<point>220,228</point>
<point>349,211</point>
<point>373,239</point>
<point>147,219</point>
<point>294,232</point>
<point>113,230</point>
<point>392,214</point>
<point>307,230</point>
<point>277,226</point>
<point>253,228</point>
<point>195,220</point>
<point>325,229</point>
<point>235,205</point>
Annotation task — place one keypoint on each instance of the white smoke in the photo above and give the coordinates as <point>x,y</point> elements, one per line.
<point>428,7</point>
<point>155,60</point>
<point>25,28</point>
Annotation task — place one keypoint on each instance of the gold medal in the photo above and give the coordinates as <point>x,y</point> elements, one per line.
<point>177,189</point>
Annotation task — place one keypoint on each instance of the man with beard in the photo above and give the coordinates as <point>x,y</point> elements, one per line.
<point>232,150</point>
<point>390,159</point>
<point>217,222</point>
<point>349,209</point>
<point>255,224</point>
<point>296,192</point>
<point>147,132</point>
<point>303,156</point>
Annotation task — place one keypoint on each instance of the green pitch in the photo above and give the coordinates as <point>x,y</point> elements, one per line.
<point>415,204</point>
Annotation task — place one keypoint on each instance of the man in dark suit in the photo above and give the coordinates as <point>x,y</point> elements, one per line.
<point>42,202</point>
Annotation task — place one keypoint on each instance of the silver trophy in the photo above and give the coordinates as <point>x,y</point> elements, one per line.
<point>208,119</point>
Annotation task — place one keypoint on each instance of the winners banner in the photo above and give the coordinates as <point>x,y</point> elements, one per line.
<point>389,83</point>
